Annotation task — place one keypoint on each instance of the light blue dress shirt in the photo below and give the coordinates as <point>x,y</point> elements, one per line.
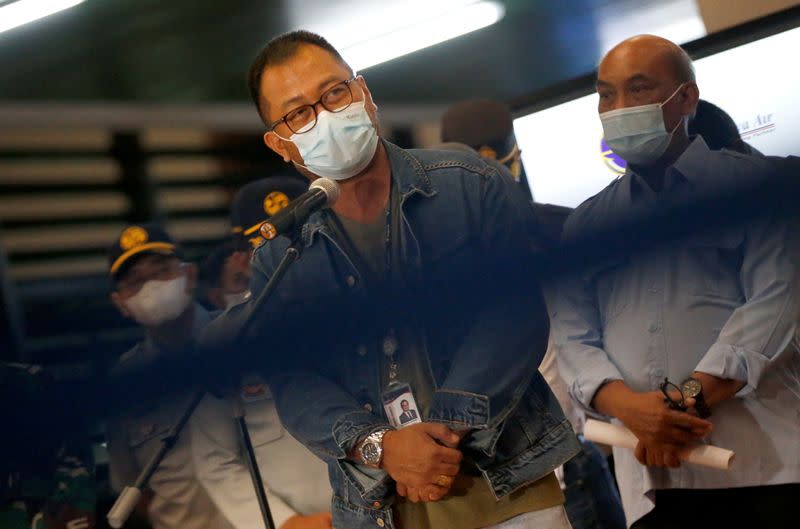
<point>723,302</point>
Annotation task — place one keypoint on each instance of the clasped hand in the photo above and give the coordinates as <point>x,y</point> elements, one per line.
<point>423,459</point>
<point>662,432</point>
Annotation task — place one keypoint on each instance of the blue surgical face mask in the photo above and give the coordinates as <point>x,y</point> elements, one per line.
<point>638,135</point>
<point>341,144</point>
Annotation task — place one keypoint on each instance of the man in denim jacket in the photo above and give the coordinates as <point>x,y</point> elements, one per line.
<point>420,277</point>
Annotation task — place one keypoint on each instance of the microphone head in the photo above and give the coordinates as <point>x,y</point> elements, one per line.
<point>327,186</point>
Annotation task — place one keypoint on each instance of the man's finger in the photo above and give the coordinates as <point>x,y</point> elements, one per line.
<point>677,435</point>
<point>690,422</point>
<point>447,469</point>
<point>641,453</point>
<point>413,495</point>
<point>402,490</point>
<point>671,459</point>
<point>442,433</point>
<point>448,455</point>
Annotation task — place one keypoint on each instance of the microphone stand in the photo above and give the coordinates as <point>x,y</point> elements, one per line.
<point>129,498</point>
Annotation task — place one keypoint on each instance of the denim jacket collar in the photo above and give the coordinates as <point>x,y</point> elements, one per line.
<point>407,174</point>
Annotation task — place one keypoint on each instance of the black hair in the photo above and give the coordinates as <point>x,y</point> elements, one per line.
<point>279,50</point>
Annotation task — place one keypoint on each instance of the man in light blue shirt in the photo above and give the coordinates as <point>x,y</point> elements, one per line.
<point>719,307</point>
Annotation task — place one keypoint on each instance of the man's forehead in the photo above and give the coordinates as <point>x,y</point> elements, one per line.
<point>147,261</point>
<point>301,73</point>
<point>635,62</point>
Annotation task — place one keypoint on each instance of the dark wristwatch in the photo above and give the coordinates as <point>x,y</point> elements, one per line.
<point>693,389</point>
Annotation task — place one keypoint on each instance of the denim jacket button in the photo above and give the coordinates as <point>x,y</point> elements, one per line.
<point>380,522</point>
<point>361,350</point>
<point>350,280</point>
<point>390,345</point>
<point>368,407</point>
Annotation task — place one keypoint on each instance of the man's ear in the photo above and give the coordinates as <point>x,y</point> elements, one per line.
<point>368,101</point>
<point>116,299</point>
<point>691,98</point>
<point>276,144</point>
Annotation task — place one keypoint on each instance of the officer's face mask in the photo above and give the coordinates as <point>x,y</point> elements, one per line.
<point>340,145</point>
<point>231,300</point>
<point>158,302</point>
<point>638,134</point>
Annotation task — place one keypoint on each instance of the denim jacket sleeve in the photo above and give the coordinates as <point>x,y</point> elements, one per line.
<point>320,414</point>
<point>492,368</point>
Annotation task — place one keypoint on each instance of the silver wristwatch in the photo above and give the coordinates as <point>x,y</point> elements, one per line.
<point>371,448</point>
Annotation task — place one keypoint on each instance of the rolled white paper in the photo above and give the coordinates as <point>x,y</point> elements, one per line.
<point>698,454</point>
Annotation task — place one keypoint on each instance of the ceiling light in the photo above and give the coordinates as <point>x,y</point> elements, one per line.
<point>24,11</point>
<point>394,38</point>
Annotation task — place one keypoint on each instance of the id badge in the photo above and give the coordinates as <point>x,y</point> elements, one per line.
<point>400,405</point>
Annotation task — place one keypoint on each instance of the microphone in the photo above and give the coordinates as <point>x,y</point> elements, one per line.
<point>322,193</point>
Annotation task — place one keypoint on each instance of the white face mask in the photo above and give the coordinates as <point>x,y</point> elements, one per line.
<point>159,301</point>
<point>638,134</point>
<point>231,300</point>
<point>340,145</point>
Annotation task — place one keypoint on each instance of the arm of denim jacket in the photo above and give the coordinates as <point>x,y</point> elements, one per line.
<point>321,414</point>
<point>328,420</point>
<point>499,354</point>
<point>765,325</point>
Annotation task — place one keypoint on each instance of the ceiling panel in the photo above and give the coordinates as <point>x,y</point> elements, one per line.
<point>197,51</point>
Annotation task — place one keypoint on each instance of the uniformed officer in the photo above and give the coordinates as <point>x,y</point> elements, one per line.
<point>153,286</point>
<point>226,271</point>
<point>488,127</point>
<point>297,482</point>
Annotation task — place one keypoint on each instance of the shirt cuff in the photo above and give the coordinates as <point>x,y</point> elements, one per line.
<point>585,387</point>
<point>459,409</point>
<point>736,363</point>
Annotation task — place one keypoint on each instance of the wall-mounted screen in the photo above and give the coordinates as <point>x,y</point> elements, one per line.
<point>756,83</point>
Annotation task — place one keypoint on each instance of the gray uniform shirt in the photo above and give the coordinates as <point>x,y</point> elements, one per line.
<point>296,481</point>
<point>179,500</point>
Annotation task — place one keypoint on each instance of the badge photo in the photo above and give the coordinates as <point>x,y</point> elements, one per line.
<point>400,406</point>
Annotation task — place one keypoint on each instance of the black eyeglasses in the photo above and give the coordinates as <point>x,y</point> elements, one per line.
<point>673,404</point>
<point>304,118</point>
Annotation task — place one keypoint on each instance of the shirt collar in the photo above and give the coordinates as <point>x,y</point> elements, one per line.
<point>689,167</point>
<point>693,163</point>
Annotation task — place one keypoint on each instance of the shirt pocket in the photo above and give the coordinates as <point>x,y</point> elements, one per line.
<point>712,264</point>
<point>613,286</point>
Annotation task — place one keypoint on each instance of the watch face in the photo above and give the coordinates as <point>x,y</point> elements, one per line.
<point>371,453</point>
<point>692,388</point>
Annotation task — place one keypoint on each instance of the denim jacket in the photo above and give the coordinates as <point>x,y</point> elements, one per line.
<point>468,280</point>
